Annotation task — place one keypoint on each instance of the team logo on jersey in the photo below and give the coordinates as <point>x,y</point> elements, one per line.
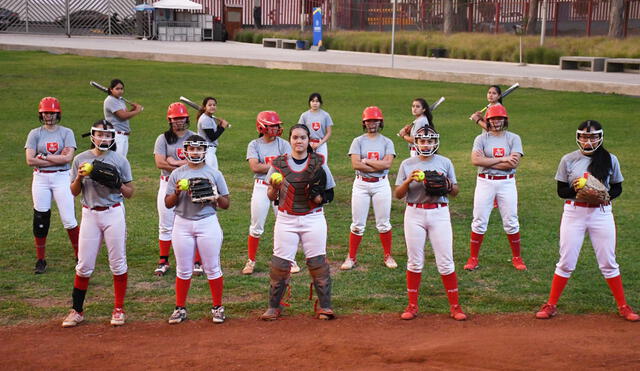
<point>52,147</point>
<point>180,153</point>
<point>498,152</point>
<point>269,159</point>
<point>373,155</point>
<point>315,126</point>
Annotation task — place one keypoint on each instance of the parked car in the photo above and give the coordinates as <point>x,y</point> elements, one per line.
<point>8,18</point>
<point>85,19</point>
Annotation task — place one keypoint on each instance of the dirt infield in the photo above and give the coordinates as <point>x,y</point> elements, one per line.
<point>352,342</point>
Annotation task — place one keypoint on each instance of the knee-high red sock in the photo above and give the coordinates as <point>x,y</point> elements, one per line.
<point>165,248</point>
<point>182,289</point>
<point>557,286</point>
<point>354,243</point>
<point>252,247</point>
<point>386,240</point>
<point>615,284</point>
<point>413,286</point>
<point>474,244</point>
<point>119,289</point>
<point>514,242</point>
<point>450,283</point>
<point>216,286</point>
<point>41,243</point>
<point>81,283</point>
<point>74,233</point>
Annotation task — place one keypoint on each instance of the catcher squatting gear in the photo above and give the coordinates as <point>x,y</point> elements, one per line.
<point>202,190</point>
<point>436,184</point>
<point>299,189</point>
<point>105,174</point>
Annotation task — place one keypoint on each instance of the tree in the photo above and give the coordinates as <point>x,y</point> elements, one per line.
<point>448,17</point>
<point>616,19</point>
<point>532,17</point>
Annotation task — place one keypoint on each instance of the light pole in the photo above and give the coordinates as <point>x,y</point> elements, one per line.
<point>393,33</point>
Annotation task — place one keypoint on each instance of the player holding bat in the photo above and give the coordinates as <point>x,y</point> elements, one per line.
<point>494,97</point>
<point>116,112</point>
<point>211,128</point>
<point>421,110</point>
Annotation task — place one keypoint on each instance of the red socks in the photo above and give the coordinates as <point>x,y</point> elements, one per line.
<point>474,244</point>
<point>514,242</point>
<point>354,243</point>
<point>182,289</point>
<point>73,236</point>
<point>41,242</point>
<point>81,283</point>
<point>385,238</point>
<point>615,284</point>
<point>557,286</point>
<point>413,285</point>
<point>216,290</point>
<point>252,246</point>
<point>119,289</point>
<point>450,282</point>
<point>165,247</point>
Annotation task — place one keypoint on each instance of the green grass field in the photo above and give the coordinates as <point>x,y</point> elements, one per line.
<point>545,120</point>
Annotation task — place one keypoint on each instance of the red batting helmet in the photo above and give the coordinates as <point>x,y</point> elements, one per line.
<point>49,104</point>
<point>176,110</point>
<point>269,123</point>
<point>497,110</point>
<point>372,113</point>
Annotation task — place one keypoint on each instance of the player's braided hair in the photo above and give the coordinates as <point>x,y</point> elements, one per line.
<point>600,165</point>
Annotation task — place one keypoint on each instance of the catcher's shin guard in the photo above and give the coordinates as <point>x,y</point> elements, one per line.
<point>279,275</point>
<point>41,222</point>
<point>319,270</point>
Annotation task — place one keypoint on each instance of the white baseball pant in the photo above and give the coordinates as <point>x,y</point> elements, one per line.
<point>205,235</point>
<point>599,223</point>
<point>165,216</point>
<point>56,185</point>
<point>362,193</point>
<point>434,224</point>
<point>324,151</point>
<point>210,157</point>
<point>108,225</point>
<point>260,208</point>
<point>506,193</point>
<point>122,144</point>
<point>310,230</point>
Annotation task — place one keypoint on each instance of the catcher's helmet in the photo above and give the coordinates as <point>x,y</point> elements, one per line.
<point>269,123</point>
<point>198,156</point>
<point>589,130</point>
<point>49,104</point>
<point>427,133</point>
<point>103,126</point>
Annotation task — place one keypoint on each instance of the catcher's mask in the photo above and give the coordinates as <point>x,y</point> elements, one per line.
<point>195,149</point>
<point>589,136</point>
<point>100,137</point>
<point>269,123</point>
<point>49,105</point>
<point>426,141</point>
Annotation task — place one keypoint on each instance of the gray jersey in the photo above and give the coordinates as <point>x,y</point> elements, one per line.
<point>372,148</point>
<point>192,210</point>
<point>207,122</point>
<point>573,166</point>
<point>317,122</point>
<point>417,193</point>
<point>497,146</point>
<point>265,152</point>
<point>53,142</point>
<point>112,105</point>
<point>95,194</point>
<point>175,150</point>
<point>416,125</point>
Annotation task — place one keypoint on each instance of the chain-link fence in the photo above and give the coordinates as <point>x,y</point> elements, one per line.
<point>71,17</point>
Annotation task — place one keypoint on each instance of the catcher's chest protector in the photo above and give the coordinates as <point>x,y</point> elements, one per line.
<point>294,194</point>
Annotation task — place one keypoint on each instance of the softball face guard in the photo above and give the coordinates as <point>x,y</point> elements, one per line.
<point>587,145</point>
<point>195,157</point>
<point>103,144</point>
<point>426,149</point>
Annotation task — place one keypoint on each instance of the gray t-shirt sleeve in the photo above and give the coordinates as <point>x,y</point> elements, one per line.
<point>69,139</point>
<point>354,149</point>
<point>390,149</point>
<point>252,151</point>
<point>160,147</point>
<point>402,173</point>
<point>328,119</point>
<point>616,173</point>
<point>331,183</point>
<point>451,173</point>
<point>478,143</point>
<point>32,140</point>
<point>561,173</point>
<point>125,169</point>
<point>221,183</point>
<point>516,144</point>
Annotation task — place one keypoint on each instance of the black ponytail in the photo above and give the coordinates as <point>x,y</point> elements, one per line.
<point>427,111</point>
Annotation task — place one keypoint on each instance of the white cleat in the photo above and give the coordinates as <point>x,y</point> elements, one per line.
<point>295,268</point>
<point>72,319</point>
<point>117,317</point>
<point>249,267</point>
<point>390,262</point>
<point>348,264</point>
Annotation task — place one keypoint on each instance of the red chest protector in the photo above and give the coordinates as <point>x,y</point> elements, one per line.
<point>294,193</point>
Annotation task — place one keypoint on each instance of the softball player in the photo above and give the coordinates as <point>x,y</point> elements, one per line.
<point>196,227</point>
<point>595,219</point>
<point>211,127</point>
<point>260,153</point>
<point>371,155</point>
<point>494,97</point>
<point>103,218</point>
<point>300,220</point>
<point>169,155</point>
<point>497,154</point>
<point>319,123</point>
<point>115,111</point>
<point>427,216</point>
<point>423,117</point>
<point>49,150</point>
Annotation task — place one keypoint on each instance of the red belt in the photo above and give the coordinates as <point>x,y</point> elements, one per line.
<point>372,179</point>
<point>314,140</point>
<point>584,204</point>
<point>123,132</point>
<point>101,208</point>
<point>427,206</point>
<point>164,177</point>
<point>496,177</point>
<point>262,181</point>
<point>292,213</point>
<point>36,170</point>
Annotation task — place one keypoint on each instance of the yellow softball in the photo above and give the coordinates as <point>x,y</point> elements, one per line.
<point>581,183</point>
<point>420,176</point>
<point>276,178</point>
<point>183,184</point>
<point>87,167</point>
